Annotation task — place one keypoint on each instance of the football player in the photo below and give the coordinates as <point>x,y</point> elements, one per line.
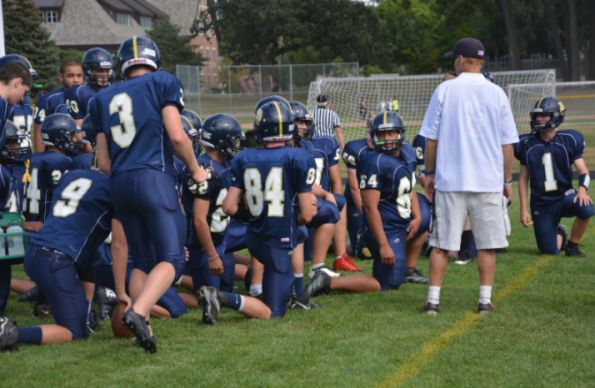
<point>139,128</point>
<point>221,134</point>
<point>546,157</point>
<point>20,113</point>
<point>71,73</point>
<point>15,81</point>
<point>80,219</point>
<point>272,178</point>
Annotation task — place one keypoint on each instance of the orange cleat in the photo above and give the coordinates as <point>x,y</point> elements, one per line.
<point>345,263</point>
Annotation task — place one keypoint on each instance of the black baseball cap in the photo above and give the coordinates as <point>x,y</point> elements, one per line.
<point>467,47</point>
<point>322,98</point>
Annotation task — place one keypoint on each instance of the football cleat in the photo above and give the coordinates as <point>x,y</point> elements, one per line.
<point>574,252</point>
<point>426,249</point>
<point>94,326</point>
<point>248,279</point>
<point>345,263</point>
<point>9,335</point>
<point>29,296</point>
<point>330,273</point>
<point>412,275</point>
<point>562,231</point>
<point>304,304</point>
<point>485,308</point>
<point>106,303</point>
<point>137,325</point>
<point>464,257</point>
<point>364,254</point>
<point>430,308</point>
<point>211,304</point>
<point>320,283</point>
<point>42,311</point>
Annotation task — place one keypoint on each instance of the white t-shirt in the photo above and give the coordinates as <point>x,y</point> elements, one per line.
<point>471,119</point>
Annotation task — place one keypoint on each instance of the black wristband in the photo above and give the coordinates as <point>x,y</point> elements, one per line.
<point>242,214</point>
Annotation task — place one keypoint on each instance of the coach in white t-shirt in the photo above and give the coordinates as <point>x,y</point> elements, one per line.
<point>470,130</point>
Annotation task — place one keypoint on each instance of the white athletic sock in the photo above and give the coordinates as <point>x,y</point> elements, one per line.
<point>298,275</point>
<point>434,294</point>
<point>255,289</point>
<point>485,294</point>
<point>316,266</point>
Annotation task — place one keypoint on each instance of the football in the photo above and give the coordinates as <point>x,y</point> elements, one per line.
<point>119,330</point>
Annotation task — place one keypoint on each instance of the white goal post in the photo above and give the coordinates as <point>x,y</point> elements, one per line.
<point>414,94</point>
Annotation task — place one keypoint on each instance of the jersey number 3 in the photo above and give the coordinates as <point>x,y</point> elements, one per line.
<point>123,134</point>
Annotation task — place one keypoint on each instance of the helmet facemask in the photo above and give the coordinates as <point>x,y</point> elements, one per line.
<point>389,146</point>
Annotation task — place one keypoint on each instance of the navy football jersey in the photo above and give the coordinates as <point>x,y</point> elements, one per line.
<point>353,152</point>
<point>22,115</point>
<point>394,179</point>
<point>80,216</point>
<point>78,100</point>
<point>327,154</point>
<point>46,169</point>
<point>5,111</point>
<point>18,170</point>
<point>48,104</point>
<point>9,199</point>
<point>271,179</point>
<point>409,155</point>
<point>84,161</point>
<point>550,165</point>
<point>516,146</point>
<point>419,145</point>
<point>213,192</point>
<point>129,113</point>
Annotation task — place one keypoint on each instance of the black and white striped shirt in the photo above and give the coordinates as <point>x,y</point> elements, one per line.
<point>325,122</point>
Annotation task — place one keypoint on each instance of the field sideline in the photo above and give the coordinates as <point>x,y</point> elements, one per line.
<point>542,333</point>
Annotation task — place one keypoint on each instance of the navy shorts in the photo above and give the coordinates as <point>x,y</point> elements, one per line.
<point>235,236</point>
<point>146,202</point>
<point>340,201</point>
<point>328,213</point>
<point>172,302</point>
<point>277,280</point>
<point>57,276</point>
<point>425,208</point>
<point>546,221</point>
<point>199,269</point>
<point>389,277</point>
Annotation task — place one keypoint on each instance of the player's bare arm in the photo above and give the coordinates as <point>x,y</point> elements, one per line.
<point>431,148</point>
<point>339,133</point>
<point>103,159</point>
<point>335,177</point>
<point>508,152</point>
<point>523,195</point>
<point>415,216</point>
<point>370,199</point>
<point>232,199</point>
<point>583,172</point>
<point>119,249</point>
<point>201,210</point>
<point>354,187</point>
<point>305,215</point>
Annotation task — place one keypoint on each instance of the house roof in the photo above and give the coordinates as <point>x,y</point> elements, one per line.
<point>181,12</point>
<point>147,6</point>
<point>49,3</point>
<point>117,5</point>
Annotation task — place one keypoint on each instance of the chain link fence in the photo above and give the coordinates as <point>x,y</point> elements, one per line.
<point>237,89</point>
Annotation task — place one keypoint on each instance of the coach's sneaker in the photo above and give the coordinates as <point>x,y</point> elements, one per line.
<point>485,308</point>
<point>136,324</point>
<point>29,296</point>
<point>42,311</point>
<point>211,300</point>
<point>562,231</point>
<point>412,275</point>
<point>320,283</point>
<point>345,263</point>
<point>304,303</point>
<point>573,251</point>
<point>464,257</point>
<point>327,271</point>
<point>9,335</point>
<point>430,308</point>
<point>106,303</point>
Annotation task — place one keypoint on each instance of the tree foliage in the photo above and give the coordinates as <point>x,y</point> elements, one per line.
<point>24,35</point>
<point>174,48</point>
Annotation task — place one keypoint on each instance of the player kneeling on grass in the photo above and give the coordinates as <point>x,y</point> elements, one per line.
<point>79,222</point>
<point>391,211</point>
<point>546,157</point>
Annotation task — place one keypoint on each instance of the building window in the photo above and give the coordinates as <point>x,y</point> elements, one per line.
<point>207,54</point>
<point>146,23</point>
<point>123,19</point>
<point>214,57</point>
<point>51,16</point>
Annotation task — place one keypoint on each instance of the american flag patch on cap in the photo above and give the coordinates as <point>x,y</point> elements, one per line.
<point>479,52</point>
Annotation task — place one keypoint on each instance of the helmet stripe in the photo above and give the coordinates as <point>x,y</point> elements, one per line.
<point>185,118</point>
<point>385,117</point>
<point>135,48</point>
<point>280,120</point>
<point>539,103</point>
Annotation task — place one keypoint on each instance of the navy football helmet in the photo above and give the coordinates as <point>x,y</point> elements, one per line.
<point>301,113</point>
<point>266,100</point>
<point>17,58</point>
<point>17,147</point>
<point>222,132</point>
<point>138,50</point>
<point>385,122</point>
<point>89,133</point>
<point>192,124</point>
<point>274,122</point>
<point>550,106</point>
<point>98,58</point>
<point>58,130</point>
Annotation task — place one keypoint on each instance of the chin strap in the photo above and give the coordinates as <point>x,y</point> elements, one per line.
<point>26,175</point>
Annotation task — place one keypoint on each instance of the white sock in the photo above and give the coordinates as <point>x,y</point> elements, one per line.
<point>316,266</point>
<point>298,275</point>
<point>255,289</point>
<point>338,257</point>
<point>242,303</point>
<point>485,294</point>
<point>434,294</point>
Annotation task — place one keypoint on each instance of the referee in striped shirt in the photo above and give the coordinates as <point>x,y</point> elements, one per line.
<point>326,121</point>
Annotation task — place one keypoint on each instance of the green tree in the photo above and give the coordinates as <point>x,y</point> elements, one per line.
<point>69,54</point>
<point>174,48</point>
<point>25,36</point>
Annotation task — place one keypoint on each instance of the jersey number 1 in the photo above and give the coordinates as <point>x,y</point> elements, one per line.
<point>123,134</point>
<point>550,182</point>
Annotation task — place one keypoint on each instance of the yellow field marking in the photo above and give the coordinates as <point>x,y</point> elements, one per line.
<point>430,348</point>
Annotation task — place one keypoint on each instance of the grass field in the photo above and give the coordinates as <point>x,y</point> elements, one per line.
<point>542,334</point>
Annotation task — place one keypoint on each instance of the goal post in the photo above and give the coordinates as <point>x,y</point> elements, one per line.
<point>413,94</point>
